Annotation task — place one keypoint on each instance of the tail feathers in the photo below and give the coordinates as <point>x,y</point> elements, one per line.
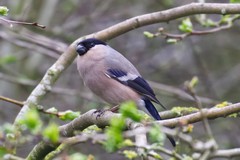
<point>154,113</point>
<point>171,140</point>
<point>152,110</point>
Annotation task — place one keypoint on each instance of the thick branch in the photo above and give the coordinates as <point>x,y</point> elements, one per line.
<point>196,117</point>
<point>228,153</point>
<point>68,56</point>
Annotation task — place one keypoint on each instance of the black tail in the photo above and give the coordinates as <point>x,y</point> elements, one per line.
<point>154,113</point>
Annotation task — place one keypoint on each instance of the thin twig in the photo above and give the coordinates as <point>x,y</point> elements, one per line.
<point>12,157</point>
<point>11,22</point>
<point>18,103</point>
<point>162,32</point>
<point>190,90</point>
<point>180,93</point>
<point>56,90</point>
<point>39,108</point>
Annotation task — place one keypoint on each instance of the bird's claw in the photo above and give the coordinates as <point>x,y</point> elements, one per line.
<point>99,112</point>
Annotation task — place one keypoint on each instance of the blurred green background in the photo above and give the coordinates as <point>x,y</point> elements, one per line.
<point>26,52</point>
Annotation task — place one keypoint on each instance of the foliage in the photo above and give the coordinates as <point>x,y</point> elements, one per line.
<point>234,1</point>
<point>31,121</point>
<point>180,111</point>
<point>114,134</point>
<point>51,132</point>
<point>68,115</point>
<point>80,156</point>
<point>129,110</point>
<point>156,135</point>
<point>3,10</point>
<point>130,154</point>
<point>186,25</point>
<point>115,139</point>
<point>7,59</point>
<point>148,34</point>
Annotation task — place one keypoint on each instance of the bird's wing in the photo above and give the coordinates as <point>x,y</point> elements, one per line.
<point>133,81</point>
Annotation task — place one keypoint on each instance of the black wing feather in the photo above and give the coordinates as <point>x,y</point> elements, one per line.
<point>138,84</point>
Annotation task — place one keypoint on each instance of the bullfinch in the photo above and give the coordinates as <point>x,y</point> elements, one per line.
<point>109,75</point>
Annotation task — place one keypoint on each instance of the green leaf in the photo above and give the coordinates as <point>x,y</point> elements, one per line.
<point>114,134</point>
<point>51,132</point>
<point>186,25</point>
<point>158,156</point>
<point>127,143</point>
<point>180,111</point>
<point>52,110</point>
<point>225,19</point>
<point>4,10</point>
<point>209,23</point>
<point>172,40</point>
<point>31,121</point>
<point>114,139</point>
<point>7,59</point>
<point>156,135</point>
<point>223,104</point>
<point>3,151</point>
<point>130,154</point>
<point>91,129</point>
<point>7,128</point>
<point>234,1</point>
<point>129,110</point>
<point>68,115</point>
<point>148,34</point>
<point>194,81</point>
<point>117,123</point>
<point>78,156</point>
<point>186,157</point>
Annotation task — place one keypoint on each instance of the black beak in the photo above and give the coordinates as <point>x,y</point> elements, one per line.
<point>81,49</point>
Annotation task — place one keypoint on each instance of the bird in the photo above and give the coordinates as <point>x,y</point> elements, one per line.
<point>113,78</point>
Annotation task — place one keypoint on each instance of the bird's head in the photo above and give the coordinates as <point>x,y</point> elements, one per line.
<point>85,45</point>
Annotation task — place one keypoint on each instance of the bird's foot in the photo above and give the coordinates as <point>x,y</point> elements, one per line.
<point>100,112</point>
<point>114,109</point>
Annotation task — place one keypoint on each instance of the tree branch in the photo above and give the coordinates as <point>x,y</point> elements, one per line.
<point>19,103</point>
<point>91,118</point>
<point>226,153</point>
<point>11,22</point>
<point>196,117</point>
<point>229,24</point>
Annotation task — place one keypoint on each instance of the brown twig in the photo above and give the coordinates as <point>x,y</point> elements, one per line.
<point>176,92</point>
<point>189,88</point>
<point>18,103</point>
<point>162,32</point>
<point>11,22</point>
